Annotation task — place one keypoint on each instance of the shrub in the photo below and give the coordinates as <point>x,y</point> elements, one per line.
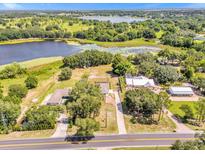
<point>17,90</point>
<point>12,71</point>
<point>66,74</point>
<point>41,118</point>
<point>31,82</point>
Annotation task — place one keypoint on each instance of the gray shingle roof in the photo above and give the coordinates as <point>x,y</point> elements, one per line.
<point>57,96</point>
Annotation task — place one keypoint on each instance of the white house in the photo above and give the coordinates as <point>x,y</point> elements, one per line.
<point>181,91</point>
<point>139,81</point>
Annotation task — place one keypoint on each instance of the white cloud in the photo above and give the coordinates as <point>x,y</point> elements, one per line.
<point>12,6</point>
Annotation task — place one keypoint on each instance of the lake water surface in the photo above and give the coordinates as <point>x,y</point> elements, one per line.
<point>113,19</point>
<point>32,50</point>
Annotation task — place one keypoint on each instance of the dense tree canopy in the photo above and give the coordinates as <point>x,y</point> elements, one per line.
<point>41,118</point>
<point>8,114</point>
<point>85,100</point>
<point>87,59</point>
<point>141,102</point>
<point>165,74</point>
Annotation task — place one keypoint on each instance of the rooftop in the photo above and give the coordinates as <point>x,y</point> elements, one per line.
<point>139,81</point>
<point>57,96</point>
<point>181,90</point>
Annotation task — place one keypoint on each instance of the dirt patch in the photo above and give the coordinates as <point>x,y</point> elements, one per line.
<point>110,99</point>
<point>185,98</point>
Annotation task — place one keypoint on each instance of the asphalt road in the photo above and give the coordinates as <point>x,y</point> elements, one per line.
<point>96,142</point>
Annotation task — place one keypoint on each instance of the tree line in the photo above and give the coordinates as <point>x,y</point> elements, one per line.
<point>87,58</point>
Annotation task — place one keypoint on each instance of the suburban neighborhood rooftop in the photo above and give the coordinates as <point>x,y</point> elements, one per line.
<point>139,81</point>
<point>181,91</point>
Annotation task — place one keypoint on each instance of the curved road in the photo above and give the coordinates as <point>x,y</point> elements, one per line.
<point>96,142</point>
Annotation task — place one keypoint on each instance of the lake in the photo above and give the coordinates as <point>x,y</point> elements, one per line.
<point>113,19</point>
<point>32,50</point>
<point>27,51</point>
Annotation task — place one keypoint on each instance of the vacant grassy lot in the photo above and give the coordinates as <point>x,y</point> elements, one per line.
<point>42,72</point>
<point>107,119</point>
<point>165,125</point>
<point>175,109</point>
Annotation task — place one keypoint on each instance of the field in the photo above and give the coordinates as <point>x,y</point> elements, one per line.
<point>165,125</point>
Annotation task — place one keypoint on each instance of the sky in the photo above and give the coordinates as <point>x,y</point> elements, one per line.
<point>96,6</point>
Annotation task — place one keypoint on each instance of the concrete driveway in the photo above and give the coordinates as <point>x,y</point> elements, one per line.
<point>62,126</point>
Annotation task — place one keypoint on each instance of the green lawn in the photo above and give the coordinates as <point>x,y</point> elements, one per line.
<point>42,72</point>
<point>165,125</point>
<point>175,107</point>
<point>159,34</point>
<point>143,148</point>
<point>75,27</point>
<point>36,62</point>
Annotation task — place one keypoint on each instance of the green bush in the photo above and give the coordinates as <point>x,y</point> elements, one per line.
<point>65,74</point>
<point>12,71</point>
<point>17,90</point>
<point>31,82</point>
<point>41,118</point>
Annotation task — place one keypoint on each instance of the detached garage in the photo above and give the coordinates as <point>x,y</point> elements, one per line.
<point>181,91</point>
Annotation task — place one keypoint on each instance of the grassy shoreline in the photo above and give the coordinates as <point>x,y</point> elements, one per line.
<point>130,43</point>
<point>19,41</point>
<point>35,62</point>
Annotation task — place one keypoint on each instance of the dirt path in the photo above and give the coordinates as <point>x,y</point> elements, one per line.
<point>120,116</point>
<point>181,128</point>
<point>35,93</point>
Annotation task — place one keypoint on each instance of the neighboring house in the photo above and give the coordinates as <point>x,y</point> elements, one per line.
<point>138,81</point>
<point>104,87</point>
<point>181,91</point>
<point>58,97</point>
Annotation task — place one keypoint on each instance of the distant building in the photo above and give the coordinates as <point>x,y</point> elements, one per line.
<point>181,91</point>
<point>58,97</point>
<point>104,87</point>
<point>138,81</point>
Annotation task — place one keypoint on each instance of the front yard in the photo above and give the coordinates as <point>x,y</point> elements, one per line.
<point>175,109</point>
<point>165,125</point>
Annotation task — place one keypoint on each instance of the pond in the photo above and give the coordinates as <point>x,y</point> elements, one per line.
<point>27,51</point>
<point>113,19</point>
<point>32,50</point>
